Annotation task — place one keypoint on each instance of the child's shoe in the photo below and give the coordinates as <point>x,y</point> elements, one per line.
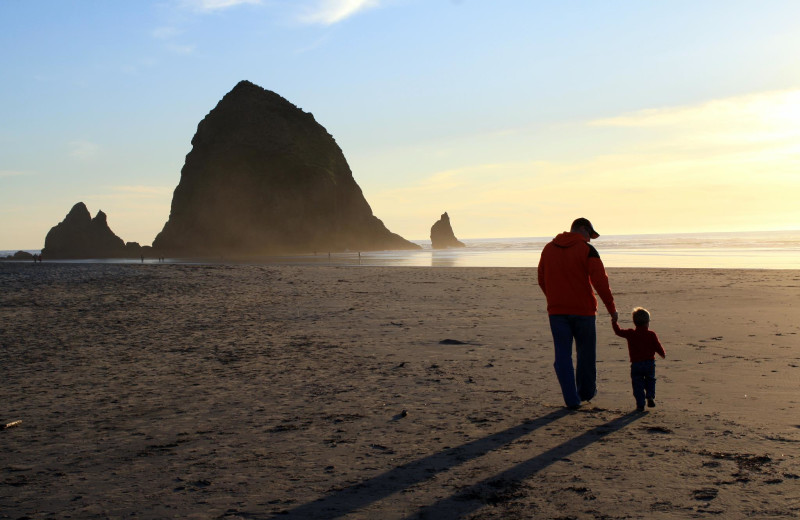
<point>651,403</point>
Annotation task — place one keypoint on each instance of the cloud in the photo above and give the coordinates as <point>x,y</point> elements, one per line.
<point>12,173</point>
<point>215,5</point>
<point>83,150</point>
<point>757,127</point>
<point>765,110</point>
<point>329,12</point>
<point>319,42</point>
<point>725,164</point>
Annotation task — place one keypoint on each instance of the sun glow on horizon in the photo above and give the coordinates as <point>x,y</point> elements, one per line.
<point>514,117</point>
<point>728,164</point>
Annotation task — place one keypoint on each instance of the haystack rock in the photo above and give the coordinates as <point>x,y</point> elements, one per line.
<point>442,235</point>
<point>263,177</point>
<point>81,236</point>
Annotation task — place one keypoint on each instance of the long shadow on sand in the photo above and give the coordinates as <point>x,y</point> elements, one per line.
<point>359,495</point>
<point>497,488</point>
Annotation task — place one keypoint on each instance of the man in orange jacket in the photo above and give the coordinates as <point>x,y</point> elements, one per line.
<point>569,271</point>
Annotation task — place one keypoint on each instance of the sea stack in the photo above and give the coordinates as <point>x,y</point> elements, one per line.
<point>263,177</point>
<point>442,236</point>
<point>81,236</point>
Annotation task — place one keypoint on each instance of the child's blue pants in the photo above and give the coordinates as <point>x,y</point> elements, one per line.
<point>643,380</point>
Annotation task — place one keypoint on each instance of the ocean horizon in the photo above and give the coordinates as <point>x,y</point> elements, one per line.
<point>718,250</point>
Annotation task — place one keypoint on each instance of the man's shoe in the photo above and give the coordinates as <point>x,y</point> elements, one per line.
<point>651,403</point>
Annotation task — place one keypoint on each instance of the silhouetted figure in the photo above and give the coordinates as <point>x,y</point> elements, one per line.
<point>643,345</point>
<point>569,269</point>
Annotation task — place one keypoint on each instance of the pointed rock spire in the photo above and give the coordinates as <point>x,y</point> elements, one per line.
<point>442,235</point>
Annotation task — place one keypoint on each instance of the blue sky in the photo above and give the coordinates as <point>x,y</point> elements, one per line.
<point>514,116</point>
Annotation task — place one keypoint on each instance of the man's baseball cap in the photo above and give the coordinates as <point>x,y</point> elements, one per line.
<point>584,222</point>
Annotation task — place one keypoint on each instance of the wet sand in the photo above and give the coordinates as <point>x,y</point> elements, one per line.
<point>247,391</point>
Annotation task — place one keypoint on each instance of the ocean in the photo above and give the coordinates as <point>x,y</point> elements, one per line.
<point>736,250</point>
<point>742,250</point>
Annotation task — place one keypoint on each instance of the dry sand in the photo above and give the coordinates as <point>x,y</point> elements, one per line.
<point>245,391</point>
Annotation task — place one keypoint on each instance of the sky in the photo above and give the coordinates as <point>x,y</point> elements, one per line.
<point>514,116</point>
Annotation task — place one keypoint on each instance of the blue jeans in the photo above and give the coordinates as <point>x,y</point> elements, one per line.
<point>643,380</point>
<point>578,384</point>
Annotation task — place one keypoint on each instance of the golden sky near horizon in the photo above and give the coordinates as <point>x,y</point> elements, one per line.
<point>514,117</point>
<point>725,165</point>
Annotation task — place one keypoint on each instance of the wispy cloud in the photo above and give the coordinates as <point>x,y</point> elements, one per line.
<point>319,42</point>
<point>215,5</point>
<point>329,12</point>
<point>765,109</point>
<point>12,173</point>
<point>171,32</point>
<point>678,168</point>
<point>763,123</point>
<point>83,150</point>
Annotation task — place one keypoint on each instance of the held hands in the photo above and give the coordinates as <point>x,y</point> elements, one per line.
<point>614,317</point>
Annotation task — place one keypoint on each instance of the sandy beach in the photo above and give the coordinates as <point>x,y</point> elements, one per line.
<point>260,391</point>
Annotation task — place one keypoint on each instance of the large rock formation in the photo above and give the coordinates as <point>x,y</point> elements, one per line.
<point>81,236</point>
<point>263,177</point>
<point>442,235</point>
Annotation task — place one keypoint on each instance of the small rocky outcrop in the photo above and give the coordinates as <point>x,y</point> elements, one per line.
<point>263,177</point>
<point>20,255</point>
<point>81,236</point>
<point>442,235</point>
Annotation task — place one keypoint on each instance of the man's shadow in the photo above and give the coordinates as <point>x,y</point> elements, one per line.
<point>349,499</point>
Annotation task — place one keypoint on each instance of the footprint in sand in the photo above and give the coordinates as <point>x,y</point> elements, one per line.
<point>705,494</point>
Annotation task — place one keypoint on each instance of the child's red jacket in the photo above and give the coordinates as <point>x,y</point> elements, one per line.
<point>643,343</point>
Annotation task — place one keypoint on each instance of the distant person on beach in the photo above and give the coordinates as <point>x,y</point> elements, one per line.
<point>643,345</point>
<point>569,271</point>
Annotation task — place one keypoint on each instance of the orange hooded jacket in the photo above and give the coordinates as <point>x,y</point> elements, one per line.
<point>568,269</point>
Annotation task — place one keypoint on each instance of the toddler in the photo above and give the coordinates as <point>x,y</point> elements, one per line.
<point>643,345</point>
